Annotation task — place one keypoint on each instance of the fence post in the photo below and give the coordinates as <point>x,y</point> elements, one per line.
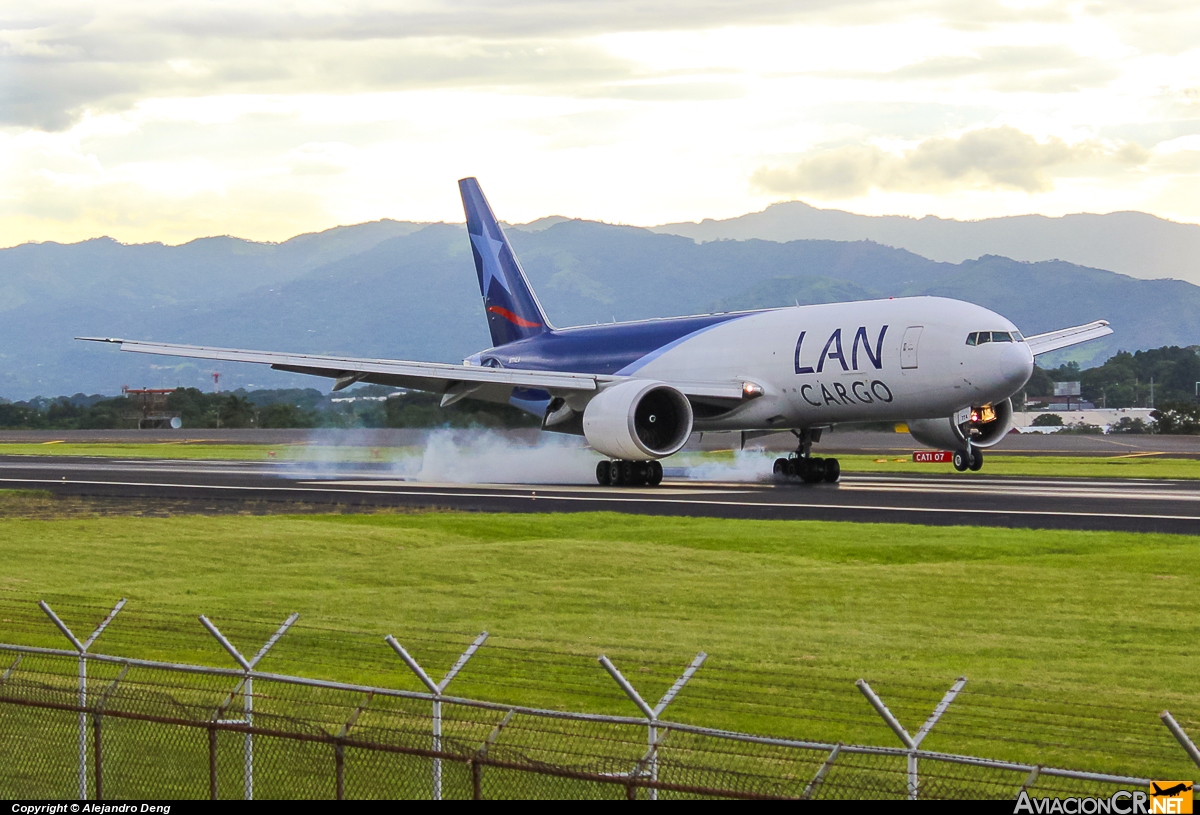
<point>1030,779</point>
<point>4,676</point>
<point>481,753</point>
<point>339,749</point>
<point>248,689</point>
<point>97,756</point>
<point>823,771</point>
<point>911,742</point>
<point>436,690</point>
<point>649,761</point>
<point>212,761</point>
<point>97,719</point>
<point>339,770</point>
<point>82,647</point>
<point>1180,736</point>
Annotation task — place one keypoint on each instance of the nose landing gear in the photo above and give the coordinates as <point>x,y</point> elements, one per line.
<point>629,473</point>
<point>969,459</point>
<point>803,466</point>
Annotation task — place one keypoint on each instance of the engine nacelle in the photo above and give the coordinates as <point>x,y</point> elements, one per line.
<point>638,420</point>
<point>987,425</point>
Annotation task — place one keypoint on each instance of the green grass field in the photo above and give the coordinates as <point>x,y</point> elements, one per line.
<point>1099,619</point>
<point>1071,607</point>
<point>1120,466</point>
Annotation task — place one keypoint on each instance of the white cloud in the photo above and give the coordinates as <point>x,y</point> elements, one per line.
<point>987,158</point>
<point>151,120</point>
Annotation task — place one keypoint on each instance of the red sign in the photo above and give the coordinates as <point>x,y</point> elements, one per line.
<point>933,456</point>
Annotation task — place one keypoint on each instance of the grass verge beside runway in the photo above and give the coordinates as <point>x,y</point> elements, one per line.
<point>1106,619</point>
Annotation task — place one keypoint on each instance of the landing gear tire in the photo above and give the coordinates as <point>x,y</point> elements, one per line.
<point>833,470</point>
<point>976,460</point>
<point>629,473</point>
<point>808,470</point>
<point>656,474</point>
<point>962,460</point>
<point>813,472</point>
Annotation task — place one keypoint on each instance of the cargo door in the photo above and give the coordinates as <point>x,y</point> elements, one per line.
<point>908,348</point>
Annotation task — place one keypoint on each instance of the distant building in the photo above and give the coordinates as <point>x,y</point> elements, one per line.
<point>1056,403</point>
<point>1102,418</point>
<point>150,408</point>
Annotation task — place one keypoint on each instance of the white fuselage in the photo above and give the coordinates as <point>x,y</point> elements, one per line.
<point>878,360</point>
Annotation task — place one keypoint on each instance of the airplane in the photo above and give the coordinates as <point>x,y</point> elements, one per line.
<point>637,390</point>
<point>1170,792</point>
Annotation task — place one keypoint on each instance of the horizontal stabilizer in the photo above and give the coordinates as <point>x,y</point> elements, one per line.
<point>1065,337</point>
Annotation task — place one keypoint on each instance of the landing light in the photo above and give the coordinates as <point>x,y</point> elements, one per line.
<point>751,390</point>
<point>983,415</point>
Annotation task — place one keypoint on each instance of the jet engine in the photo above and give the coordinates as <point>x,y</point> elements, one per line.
<point>638,420</point>
<point>985,426</point>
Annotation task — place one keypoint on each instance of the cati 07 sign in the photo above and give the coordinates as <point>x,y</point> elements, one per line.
<point>933,456</point>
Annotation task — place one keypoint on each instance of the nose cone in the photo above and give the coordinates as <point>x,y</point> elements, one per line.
<point>1016,365</point>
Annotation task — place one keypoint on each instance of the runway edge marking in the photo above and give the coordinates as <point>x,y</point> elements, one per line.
<point>619,499</point>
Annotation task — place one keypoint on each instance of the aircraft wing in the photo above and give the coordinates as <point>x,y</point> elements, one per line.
<point>453,381</point>
<point>1063,337</point>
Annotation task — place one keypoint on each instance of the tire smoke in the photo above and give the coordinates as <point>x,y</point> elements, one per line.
<point>483,456</point>
<point>486,456</point>
<point>746,466</point>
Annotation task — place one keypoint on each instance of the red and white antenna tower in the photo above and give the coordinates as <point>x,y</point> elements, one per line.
<point>216,381</point>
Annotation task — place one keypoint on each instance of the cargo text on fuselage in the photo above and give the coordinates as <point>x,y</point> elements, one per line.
<point>864,391</point>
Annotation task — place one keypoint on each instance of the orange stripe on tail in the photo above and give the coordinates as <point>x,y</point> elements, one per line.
<point>512,318</point>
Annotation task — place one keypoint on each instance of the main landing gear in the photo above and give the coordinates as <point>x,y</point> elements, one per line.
<point>969,459</point>
<point>802,466</point>
<point>629,473</point>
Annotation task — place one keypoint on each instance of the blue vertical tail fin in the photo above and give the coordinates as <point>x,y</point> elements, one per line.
<point>513,312</point>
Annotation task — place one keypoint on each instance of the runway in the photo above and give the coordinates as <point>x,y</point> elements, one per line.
<point>967,499</point>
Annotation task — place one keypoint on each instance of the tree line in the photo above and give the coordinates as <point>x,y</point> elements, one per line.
<point>366,406</point>
<point>1124,380</point>
<point>1165,378</point>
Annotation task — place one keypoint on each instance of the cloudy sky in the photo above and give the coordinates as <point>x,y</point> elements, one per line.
<point>161,120</point>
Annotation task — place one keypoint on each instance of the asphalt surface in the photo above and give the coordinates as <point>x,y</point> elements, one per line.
<point>838,441</point>
<point>969,499</point>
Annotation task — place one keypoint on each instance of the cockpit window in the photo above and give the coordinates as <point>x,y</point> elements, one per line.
<point>980,337</point>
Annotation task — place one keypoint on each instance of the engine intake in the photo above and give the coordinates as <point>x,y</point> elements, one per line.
<point>638,420</point>
<point>985,427</point>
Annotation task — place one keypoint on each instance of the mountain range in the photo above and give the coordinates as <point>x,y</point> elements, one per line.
<point>1132,243</point>
<point>405,290</point>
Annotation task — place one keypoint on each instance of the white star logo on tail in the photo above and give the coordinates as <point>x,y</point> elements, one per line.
<point>489,253</point>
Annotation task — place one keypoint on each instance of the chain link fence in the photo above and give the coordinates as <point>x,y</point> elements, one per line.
<point>75,723</point>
